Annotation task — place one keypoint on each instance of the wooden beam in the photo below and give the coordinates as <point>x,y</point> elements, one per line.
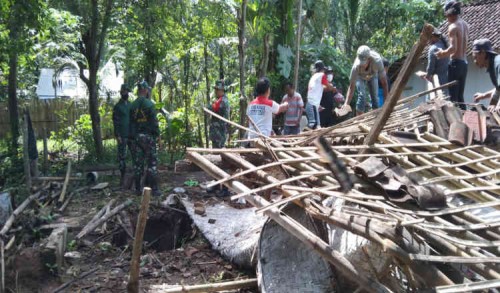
<point>215,287</point>
<point>399,85</point>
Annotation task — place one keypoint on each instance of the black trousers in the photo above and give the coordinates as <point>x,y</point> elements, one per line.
<point>457,70</point>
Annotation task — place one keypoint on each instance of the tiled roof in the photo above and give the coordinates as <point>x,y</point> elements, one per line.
<point>483,17</point>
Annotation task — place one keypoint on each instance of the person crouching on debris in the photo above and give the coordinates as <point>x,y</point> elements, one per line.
<point>366,70</point>
<point>121,120</point>
<point>261,110</point>
<point>485,57</point>
<point>317,84</point>
<point>293,110</point>
<point>219,128</point>
<point>144,128</point>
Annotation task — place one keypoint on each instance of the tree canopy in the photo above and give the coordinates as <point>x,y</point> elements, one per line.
<point>182,47</point>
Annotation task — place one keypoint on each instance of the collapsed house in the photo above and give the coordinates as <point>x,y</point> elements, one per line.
<point>401,199</point>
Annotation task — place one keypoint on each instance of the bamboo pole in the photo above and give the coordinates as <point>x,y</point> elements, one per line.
<point>91,226</point>
<point>16,213</point>
<point>216,287</point>
<point>133,283</point>
<point>66,181</point>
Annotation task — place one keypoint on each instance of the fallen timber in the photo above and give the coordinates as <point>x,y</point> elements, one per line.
<point>463,235</point>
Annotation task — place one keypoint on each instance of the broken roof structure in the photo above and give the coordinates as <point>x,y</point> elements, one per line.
<point>409,196</point>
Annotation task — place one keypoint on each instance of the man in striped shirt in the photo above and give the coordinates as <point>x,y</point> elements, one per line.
<point>293,110</point>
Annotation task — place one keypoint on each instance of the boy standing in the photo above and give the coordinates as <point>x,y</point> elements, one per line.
<point>293,111</point>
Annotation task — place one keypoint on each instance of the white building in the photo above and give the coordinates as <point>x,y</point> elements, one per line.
<point>69,85</point>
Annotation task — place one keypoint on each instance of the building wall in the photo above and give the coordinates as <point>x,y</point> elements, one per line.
<point>478,80</point>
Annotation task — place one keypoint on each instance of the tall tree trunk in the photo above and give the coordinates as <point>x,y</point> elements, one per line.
<point>297,45</point>
<point>94,111</point>
<point>12,93</point>
<point>264,61</point>
<point>241,54</point>
<point>221,62</point>
<point>207,83</point>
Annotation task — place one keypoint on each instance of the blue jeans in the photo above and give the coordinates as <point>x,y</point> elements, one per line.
<point>367,94</point>
<point>291,130</point>
<point>457,70</point>
<point>312,113</point>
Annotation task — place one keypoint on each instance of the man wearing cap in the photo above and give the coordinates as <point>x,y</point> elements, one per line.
<point>486,57</point>
<point>218,128</point>
<point>458,34</point>
<point>367,69</point>
<point>317,84</point>
<point>144,129</point>
<point>121,119</point>
<point>435,65</point>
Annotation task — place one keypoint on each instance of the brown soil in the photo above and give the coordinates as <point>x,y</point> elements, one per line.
<point>174,252</point>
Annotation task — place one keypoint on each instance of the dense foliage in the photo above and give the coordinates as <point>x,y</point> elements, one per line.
<point>182,47</point>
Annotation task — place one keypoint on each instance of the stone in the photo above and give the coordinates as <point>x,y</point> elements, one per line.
<point>73,255</point>
<point>179,190</point>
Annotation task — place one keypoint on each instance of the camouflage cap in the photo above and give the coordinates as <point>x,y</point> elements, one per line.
<point>143,85</point>
<point>124,88</point>
<point>219,85</point>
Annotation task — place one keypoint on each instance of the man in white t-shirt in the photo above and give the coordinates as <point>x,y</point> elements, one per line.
<point>317,84</point>
<point>367,69</point>
<point>262,109</point>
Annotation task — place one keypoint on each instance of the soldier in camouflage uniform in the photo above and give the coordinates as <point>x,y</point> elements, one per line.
<point>144,128</point>
<point>121,119</point>
<point>218,128</point>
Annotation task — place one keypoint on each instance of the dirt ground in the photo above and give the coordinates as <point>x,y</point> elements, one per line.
<point>174,252</point>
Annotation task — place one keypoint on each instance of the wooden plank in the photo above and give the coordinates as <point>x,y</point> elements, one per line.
<point>66,181</point>
<point>216,287</point>
<point>399,85</point>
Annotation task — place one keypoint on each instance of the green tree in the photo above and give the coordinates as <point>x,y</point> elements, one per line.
<point>95,16</point>
<point>20,20</point>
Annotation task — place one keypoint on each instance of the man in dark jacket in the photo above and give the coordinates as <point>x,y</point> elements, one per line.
<point>145,131</point>
<point>486,57</point>
<point>121,119</point>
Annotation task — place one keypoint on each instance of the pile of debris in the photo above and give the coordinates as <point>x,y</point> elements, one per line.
<point>402,199</point>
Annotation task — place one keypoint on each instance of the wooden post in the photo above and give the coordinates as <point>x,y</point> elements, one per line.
<point>66,181</point>
<point>26,156</point>
<point>399,85</point>
<point>45,153</point>
<point>133,282</point>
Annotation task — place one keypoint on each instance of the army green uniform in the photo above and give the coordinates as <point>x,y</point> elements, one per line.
<point>219,128</point>
<point>121,119</point>
<point>145,131</point>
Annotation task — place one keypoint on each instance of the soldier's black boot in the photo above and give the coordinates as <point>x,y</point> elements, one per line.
<point>137,181</point>
<point>122,178</point>
<point>154,186</point>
